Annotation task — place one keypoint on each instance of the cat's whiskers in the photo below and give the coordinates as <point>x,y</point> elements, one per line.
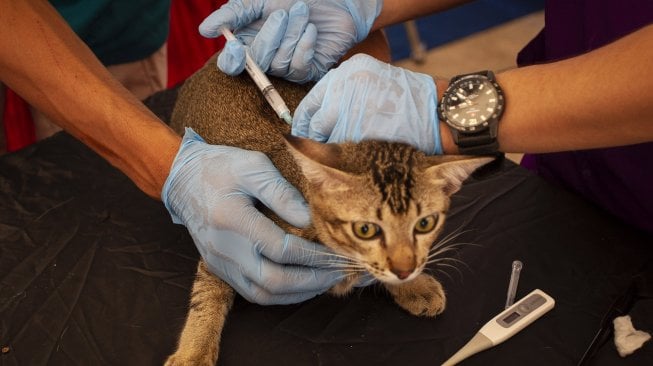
<point>441,261</point>
<point>324,253</point>
<point>342,276</point>
<point>343,266</point>
<point>451,236</point>
<point>348,271</point>
<point>451,247</point>
<point>446,245</point>
<point>335,260</point>
<point>451,266</point>
<point>432,271</point>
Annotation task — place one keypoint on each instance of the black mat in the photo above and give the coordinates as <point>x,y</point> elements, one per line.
<point>93,272</point>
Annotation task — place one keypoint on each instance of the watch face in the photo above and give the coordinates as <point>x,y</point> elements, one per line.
<point>471,102</point>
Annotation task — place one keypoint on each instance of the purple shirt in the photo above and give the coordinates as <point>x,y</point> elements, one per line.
<point>620,180</point>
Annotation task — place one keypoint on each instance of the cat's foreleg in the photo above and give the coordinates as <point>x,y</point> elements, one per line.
<point>210,302</point>
<point>423,296</point>
<point>345,286</point>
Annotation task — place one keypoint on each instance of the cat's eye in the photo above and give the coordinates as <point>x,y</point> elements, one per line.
<point>426,224</point>
<point>366,230</point>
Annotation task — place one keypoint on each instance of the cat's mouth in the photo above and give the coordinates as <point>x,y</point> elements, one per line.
<point>394,277</point>
<point>383,272</point>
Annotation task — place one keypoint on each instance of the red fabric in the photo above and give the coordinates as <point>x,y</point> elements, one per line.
<point>18,125</point>
<point>187,49</point>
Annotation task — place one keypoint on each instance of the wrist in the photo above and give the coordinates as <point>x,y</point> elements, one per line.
<point>149,157</point>
<point>471,107</point>
<point>441,86</point>
<point>448,145</point>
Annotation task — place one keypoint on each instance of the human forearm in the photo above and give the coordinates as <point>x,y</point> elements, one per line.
<point>45,62</point>
<point>397,11</point>
<point>590,101</point>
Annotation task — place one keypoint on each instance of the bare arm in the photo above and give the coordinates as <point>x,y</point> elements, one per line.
<point>397,11</point>
<point>599,99</point>
<point>45,62</point>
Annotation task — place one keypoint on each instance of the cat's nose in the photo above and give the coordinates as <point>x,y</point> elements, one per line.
<point>401,274</point>
<point>402,263</point>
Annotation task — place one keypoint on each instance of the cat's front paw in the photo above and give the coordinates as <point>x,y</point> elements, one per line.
<point>179,359</point>
<point>345,286</point>
<point>423,296</point>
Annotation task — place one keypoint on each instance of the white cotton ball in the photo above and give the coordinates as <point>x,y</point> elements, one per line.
<point>626,337</point>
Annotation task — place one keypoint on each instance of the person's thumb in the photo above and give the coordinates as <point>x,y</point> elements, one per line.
<point>232,58</point>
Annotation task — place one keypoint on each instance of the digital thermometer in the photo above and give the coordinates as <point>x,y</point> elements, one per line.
<point>505,325</point>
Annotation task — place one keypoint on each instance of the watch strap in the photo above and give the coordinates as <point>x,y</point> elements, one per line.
<point>479,145</point>
<point>487,73</point>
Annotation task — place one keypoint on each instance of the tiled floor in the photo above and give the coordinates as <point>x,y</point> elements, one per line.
<point>494,49</point>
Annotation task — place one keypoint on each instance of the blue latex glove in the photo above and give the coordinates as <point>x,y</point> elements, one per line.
<point>212,191</point>
<point>365,98</point>
<point>295,40</point>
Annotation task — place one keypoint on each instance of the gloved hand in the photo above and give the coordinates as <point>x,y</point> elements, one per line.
<point>295,40</point>
<point>365,98</point>
<point>212,191</point>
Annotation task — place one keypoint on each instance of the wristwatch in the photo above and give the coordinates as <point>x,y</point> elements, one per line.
<point>472,106</point>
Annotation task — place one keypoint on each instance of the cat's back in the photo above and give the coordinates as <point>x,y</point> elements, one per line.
<point>228,110</point>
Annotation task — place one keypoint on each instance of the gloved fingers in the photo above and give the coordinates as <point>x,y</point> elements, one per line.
<point>297,22</point>
<point>273,243</point>
<point>278,279</point>
<point>323,123</point>
<point>232,58</point>
<point>302,66</point>
<point>233,15</point>
<point>276,193</point>
<point>265,282</point>
<point>250,175</point>
<point>292,249</point>
<point>240,280</point>
<point>267,40</point>
<point>261,296</point>
<point>363,16</point>
<point>308,107</point>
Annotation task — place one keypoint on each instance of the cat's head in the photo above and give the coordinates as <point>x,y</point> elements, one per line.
<point>381,204</point>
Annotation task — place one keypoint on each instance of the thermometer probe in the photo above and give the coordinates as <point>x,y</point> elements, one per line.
<point>503,326</point>
<point>514,280</point>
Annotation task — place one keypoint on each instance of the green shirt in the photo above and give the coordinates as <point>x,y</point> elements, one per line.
<point>118,31</point>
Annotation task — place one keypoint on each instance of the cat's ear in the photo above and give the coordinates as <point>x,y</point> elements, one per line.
<point>319,163</point>
<point>454,170</point>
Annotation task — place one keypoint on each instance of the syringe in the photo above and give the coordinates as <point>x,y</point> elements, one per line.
<point>262,82</point>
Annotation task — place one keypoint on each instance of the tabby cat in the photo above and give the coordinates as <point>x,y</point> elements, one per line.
<point>379,204</point>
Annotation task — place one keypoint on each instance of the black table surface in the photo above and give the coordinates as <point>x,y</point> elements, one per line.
<point>92,271</point>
